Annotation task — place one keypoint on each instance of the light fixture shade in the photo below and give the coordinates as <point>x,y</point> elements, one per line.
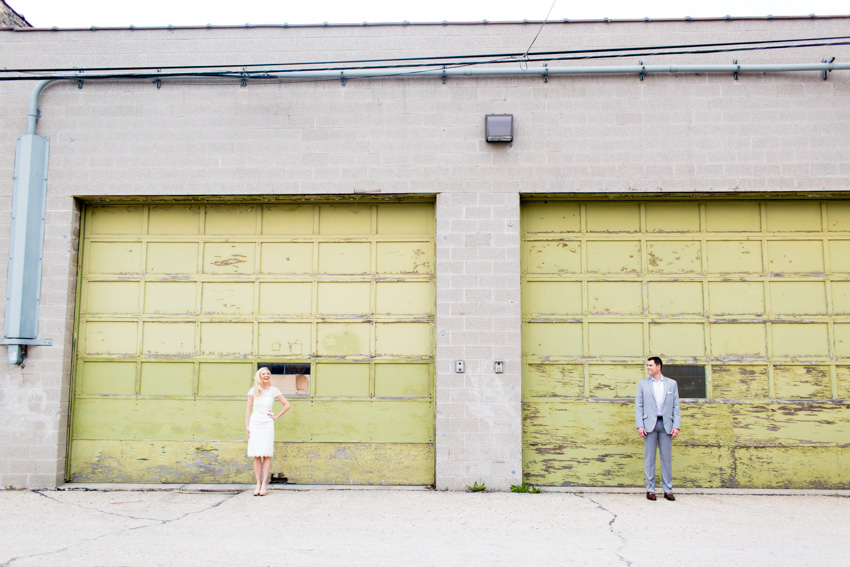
<point>499,127</point>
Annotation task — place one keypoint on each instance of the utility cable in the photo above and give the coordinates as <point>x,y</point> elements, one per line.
<point>438,60</point>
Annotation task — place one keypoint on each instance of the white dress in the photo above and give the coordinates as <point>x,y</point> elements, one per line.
<point>261,425</point>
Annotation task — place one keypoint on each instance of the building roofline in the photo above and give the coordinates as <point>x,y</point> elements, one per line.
<point>21,16</point>
<point>425,24</point>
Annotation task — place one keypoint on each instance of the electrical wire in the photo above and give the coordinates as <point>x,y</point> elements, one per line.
<point>561,55</point>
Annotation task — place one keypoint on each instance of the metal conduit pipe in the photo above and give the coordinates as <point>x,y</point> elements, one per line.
<point>542,71</point>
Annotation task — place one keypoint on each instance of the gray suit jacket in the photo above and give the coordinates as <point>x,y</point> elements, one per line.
<point>645,412</point>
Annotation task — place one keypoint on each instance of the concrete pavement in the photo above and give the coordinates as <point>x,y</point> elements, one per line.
<point>122,525</point>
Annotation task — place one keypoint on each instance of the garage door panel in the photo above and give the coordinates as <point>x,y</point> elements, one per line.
<point>838,215</point>
<point>552,339</point>
<point>613,217</point>
<point>675,298</point>
<point>116,220</point>
<point>553,380</point>
<point>167,379</point>
<point>405,257</point>
<point>343,339</point>
<point>286,258</point>
<point>842,339</point>
<point>408,219</point>
<point>739,381</point>
<point>793,216</point>
<point>802,382</point>
<point>613,257</point>
<point>798,298</point>
<point>285,339</point>
<point>551,216</point>
<point>115,258</point>
<point>752,295</point>
<point>403,339</point>
<point>345,218</point>
<point>112,297</point>
<point>677,339</point>
<point>238,219</point>
<point>100,377</point>
<point>111,337</point>
<point>171,298</point>
<point>610,298</point>
<point>736,298</point>
<point>553,257</point>
<point>612,380</point>
<point>345,258</point>
<point>672,217</point>
<point>229,258</point>
<point>841,298</point>
<point>800,339</point>
<point>795,256</point>
<point>285,298</point>
<point>402,380</point>
<point>738,339</point>
<point>674,257</point>
<point>231,298</point>
<point>288,219</point>
<point>839,256</point>
<point>345,298</point>
<point>104,418</point>
<point>174,219</point>
<point>349,380</point>
<point>615,339</point>
<point>404,298</point>
<point>734,256</point>
<point>172,258</point>
<point>733,217</point>
<point>842,375</point>
<point>179,305</point>
<point>388,421</point>
<point>227,338</point>
<point>225,379</point>
<point>176,339</point>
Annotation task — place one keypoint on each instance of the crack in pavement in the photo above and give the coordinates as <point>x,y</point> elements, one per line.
<point>611,529</point>
<point>153,523</point>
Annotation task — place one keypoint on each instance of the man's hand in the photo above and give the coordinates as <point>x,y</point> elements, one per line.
<point>675,432</point>
<point>642,432</point>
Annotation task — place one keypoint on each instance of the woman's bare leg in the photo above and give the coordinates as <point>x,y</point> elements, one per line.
<point>267,466</point>
<point>258,471</point>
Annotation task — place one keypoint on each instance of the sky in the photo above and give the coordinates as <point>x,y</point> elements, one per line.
<point>124,13</point>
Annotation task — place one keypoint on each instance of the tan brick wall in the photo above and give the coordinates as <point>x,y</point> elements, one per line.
<point>602,134</point>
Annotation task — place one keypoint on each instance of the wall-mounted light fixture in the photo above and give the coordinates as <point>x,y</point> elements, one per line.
<point>499,127</point>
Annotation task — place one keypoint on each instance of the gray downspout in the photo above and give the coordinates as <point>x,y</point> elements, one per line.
<point>26,239</point>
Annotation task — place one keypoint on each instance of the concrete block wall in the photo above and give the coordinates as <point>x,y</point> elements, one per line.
<point>479,429</point>
<point>613,134</point>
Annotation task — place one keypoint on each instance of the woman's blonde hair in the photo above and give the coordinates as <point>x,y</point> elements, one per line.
<point>258,383</point>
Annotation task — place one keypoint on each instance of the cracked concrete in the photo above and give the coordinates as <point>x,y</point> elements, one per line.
<point>299,526</point>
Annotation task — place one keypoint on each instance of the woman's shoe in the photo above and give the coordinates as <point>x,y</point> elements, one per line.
<point>263,490</point>
<point>257,491</point>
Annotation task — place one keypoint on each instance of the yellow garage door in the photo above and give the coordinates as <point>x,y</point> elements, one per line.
<point>747,302</point>
<point>179,305</point>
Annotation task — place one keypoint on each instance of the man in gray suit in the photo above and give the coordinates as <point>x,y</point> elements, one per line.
<point>658,420</point>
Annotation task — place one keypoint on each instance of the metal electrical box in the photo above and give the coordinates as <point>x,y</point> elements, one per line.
<point>23,288</point>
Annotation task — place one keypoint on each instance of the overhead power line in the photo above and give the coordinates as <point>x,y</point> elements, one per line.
<point>437,61</point>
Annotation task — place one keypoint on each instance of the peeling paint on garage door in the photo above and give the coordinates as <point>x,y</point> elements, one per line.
<point>179,303</point>
<point>755,294</point>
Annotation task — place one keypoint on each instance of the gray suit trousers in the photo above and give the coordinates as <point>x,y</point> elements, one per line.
<point>664,442</point>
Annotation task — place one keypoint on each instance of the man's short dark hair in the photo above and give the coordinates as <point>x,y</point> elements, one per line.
<point>657,361</point>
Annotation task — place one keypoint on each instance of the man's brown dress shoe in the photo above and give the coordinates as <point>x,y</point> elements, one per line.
<point>651,496</point>
<point>669,496</point>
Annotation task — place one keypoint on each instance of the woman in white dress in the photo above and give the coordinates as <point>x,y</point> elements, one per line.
<point>259,421</point>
